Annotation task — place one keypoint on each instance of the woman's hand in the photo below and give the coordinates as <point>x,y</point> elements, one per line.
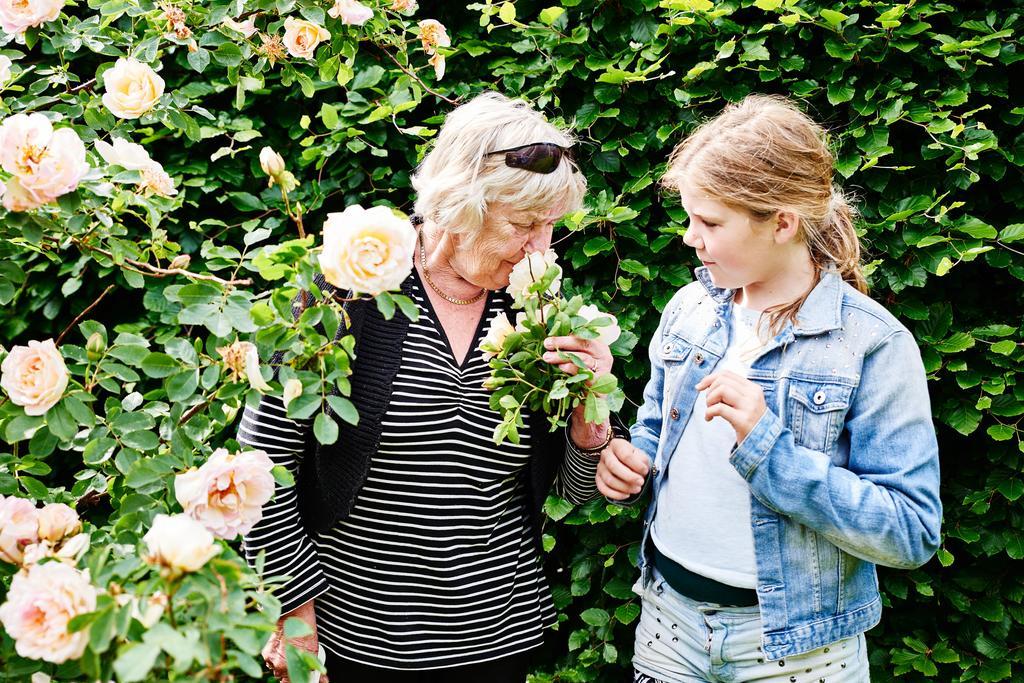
<point>622,470</point>
<point>594,354</point>
<point>735,398</point>
<point>274,651</point>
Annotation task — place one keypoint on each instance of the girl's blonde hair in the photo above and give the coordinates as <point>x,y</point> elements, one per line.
<point>763,155</point>
<point>457,181</point>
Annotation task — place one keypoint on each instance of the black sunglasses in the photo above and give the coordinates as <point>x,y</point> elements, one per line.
<point>537,157</point>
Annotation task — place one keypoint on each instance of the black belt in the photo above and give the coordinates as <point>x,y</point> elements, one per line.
<point>701,588</point>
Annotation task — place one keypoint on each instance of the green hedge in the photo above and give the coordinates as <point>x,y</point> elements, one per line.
<point>928,137</point>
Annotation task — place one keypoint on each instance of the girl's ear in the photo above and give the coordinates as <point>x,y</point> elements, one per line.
<point>787,226</point>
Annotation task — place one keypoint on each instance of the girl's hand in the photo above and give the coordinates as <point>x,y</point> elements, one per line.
<point>735,398</point>
<point>594,354</point>
<point>622,470</point>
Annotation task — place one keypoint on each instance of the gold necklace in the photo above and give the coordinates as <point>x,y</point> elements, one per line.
<point>450,299</point>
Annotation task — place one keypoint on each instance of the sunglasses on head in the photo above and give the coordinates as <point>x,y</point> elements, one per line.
<point>537,157</point>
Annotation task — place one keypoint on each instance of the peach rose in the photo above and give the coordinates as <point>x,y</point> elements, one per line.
<point>351,12</point>
<point>16,198</point>
<point>404,6</point>
<point>132,88</point>
<point>47,163</point>
<point>227,494</point>
<point>18,15</point>
<point>19,528</point>
<point>530,270</point>
<point>243,362</point>
<point>367,250</point>
<point>301,37</point>
<point>434,35</point>
<point>41,602</point>
<point>58,521</point>
<point>34,376</point>
<point>179,544</point>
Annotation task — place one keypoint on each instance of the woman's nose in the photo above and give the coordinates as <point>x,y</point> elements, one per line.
<point>539,240</point>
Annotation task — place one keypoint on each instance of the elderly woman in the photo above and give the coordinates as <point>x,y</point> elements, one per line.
<point>412,544</point>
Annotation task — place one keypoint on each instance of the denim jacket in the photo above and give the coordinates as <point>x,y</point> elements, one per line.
<point>843,466</point>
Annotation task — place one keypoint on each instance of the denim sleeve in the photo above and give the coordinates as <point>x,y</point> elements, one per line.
<point>884,505</point>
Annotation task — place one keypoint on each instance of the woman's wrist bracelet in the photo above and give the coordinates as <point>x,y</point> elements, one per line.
<point>596,450</point>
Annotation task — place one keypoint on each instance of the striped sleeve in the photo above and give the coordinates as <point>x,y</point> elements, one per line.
<point>576,481</point>
<point>289,552</point>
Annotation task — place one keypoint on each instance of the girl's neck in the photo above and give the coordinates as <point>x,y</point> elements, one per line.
<point>787,284</point>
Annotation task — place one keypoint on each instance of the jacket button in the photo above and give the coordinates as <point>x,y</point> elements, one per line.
<point>674,414</point>
<point>667,348</point>
<point>819,398</point>
<point>699,359</point>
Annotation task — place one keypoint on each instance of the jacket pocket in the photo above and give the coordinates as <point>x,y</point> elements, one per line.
<point>817,411</point>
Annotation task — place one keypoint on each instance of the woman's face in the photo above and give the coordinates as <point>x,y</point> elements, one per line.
<point>506,236</point>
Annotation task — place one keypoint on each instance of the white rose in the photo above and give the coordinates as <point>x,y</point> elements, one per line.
<point>530,270</point>
<point>41,602</point>
<point>368,251</point>
<point>541,317</point>
<point>18,15</point>
<point>5,69</point>
<point>34,376</point>
<point>607,334</point>
<point>16,198</point>
<point>132,88</point>
<point>128,155</point>
<point>301,37</point>
<point>227,494</point>
<point>271,162</point>
<point>292,390</point>
<point>350,12</point>
<point>498,331</point>
<point>179,544</point>
<point>247,28</point>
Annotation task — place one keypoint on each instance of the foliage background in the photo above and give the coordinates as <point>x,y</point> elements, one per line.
<point>927,134</point>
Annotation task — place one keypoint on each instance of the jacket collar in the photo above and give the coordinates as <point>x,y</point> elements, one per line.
<point>821,312</point>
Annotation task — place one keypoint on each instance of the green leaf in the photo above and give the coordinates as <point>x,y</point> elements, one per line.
<point>507,12</point>
<point>550,15</point>
<point>325,429</point>
<point>343,408</point>
<point>134,662</point>
<point>627,614</point>
<point>1012,233</point>
<point>833,17</point>
<point>158,364</point>
<point>595,616</point>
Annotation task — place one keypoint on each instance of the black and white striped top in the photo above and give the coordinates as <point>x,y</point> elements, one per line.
<point>436,565</point>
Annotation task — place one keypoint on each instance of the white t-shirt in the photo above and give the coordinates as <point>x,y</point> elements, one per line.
<point>703,515</point>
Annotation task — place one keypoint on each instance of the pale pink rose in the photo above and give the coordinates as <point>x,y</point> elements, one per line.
<point>58,521</point>
<point>155,180</point>
<point>41,602</point>
<point>243,361</point>
<point>34,376</point>
<point>178,544</point>
<point>132,88</point>
<point>301,37</point>
<point>433,35</point>
<point>127,155</point>
<point>367,250</point>
<point>48,163</point>
<point>18,15</point>
<point>247,28</point>
<point>227,494</point>
<point>19,528</point>
<point>16,198</point>
<point>351,12</point>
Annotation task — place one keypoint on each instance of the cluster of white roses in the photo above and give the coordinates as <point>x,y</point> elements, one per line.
<point>522,286</point>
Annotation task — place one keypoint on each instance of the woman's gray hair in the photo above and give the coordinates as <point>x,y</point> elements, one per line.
<point>457,181</point>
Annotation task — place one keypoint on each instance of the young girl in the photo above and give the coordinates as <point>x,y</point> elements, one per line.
<point>786,429</point>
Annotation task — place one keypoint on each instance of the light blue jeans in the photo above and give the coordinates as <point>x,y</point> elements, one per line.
<point>679,640</point>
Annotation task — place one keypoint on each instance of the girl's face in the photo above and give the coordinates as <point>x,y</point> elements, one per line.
<point>738,250</point>
<point>506,236</point>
